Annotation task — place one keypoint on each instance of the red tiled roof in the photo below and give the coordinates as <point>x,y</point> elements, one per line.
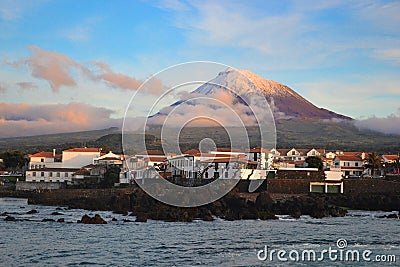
<point>44,154</point>
<point>157,158</point>
<point>90,166</point>
<point>82,149</point>
<point>349,158</point>
<point>391,157</point>
<point>258,150</point>
<point>351,154</point>
<point>192,152</point>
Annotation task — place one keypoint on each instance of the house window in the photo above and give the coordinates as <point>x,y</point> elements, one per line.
<point>50,174</point>
<point>58,174</point>
<point>255,156</point>
<point>66,174</point>
<point>33,173</point>
<point>356,164</point>
<point>41,160</point>
<point>226,174</point>
<point>293,153</point>
<point>42,174</point>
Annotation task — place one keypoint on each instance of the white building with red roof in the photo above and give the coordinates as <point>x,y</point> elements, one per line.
<point>350,164</point>
<point>390,158</point>
<point>52,167</point>
<point>44,159</point>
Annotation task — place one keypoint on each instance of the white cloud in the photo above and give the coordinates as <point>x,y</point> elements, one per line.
<point>389,124</point>
<point>81,31</point>
<point>59,70</point>
<point>11,10</point>
<point>26,119</point>
<point>392,55</point>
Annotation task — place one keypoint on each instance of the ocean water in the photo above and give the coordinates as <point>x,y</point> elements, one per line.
<point>217,243</point>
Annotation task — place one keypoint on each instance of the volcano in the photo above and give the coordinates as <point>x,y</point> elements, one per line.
<point>284,102</point>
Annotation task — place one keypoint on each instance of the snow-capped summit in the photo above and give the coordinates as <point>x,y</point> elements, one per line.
<point>284,102</point>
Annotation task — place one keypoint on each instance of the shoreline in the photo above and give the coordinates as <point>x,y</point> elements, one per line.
<point>233,206</point>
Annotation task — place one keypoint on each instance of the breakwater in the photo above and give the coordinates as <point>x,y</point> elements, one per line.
<point>294,199</point>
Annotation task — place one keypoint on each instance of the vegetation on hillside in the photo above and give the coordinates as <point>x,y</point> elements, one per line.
<point>298,134</point>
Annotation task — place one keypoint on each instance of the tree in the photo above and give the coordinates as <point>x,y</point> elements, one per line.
<point>111,176</point>
<point>315,162</point>
<point>14,160</point>
<point>373,162</point>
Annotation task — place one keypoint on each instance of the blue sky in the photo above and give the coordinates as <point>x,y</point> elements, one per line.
<point>340,55</point>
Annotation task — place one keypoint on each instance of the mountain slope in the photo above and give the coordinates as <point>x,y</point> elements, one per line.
<point>284,102</point>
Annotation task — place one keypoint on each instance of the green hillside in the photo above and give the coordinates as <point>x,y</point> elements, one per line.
<point>300,134</point>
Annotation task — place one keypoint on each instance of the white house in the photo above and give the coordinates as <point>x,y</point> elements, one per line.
<point>78,157</point>
<point>52,167</point>
<point>50,174</point>
<point>349,165</point>
<point>154,157</point>
<point>109,159</point>
<point>132,168</point>
<point>45,160</point>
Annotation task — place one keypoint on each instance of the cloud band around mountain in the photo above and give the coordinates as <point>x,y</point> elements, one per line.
<point>25,119</point>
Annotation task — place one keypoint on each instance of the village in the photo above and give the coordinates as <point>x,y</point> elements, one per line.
<point>94,168</point>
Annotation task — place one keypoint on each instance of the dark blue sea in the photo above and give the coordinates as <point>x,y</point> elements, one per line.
<point>219,243</point>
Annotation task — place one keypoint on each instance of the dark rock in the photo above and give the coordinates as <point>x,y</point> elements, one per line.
<point>10,219</point>
<point>207,218</point>
<point>56,213</point>
<point>48,220</point>
<point>4,214</point>
<point>98,220</point>
<point>267,216</point>
<point>32,212</point>
<point>58,208</point>
<point>92,220</point>
<point>22,207</point>
<point>296,214</point>
<point>61,220</point>
<point>141,217</point>
<point>127,220</point>
<point>264,201</point>
<point>114,220</point>
<point>389,216</point>
<point>186,217</point>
